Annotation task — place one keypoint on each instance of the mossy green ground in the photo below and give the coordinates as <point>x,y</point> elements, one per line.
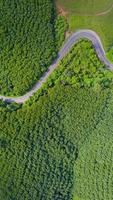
<point>78,11</point>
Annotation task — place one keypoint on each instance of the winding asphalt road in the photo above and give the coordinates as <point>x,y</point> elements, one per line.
<point>88,34</point>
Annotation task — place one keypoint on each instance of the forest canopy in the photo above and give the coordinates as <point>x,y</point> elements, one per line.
<point>45,142</point>
<point>30,35</point>
<point>58,145</point>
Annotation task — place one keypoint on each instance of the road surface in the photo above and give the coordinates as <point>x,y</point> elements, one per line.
<point>88,34</point>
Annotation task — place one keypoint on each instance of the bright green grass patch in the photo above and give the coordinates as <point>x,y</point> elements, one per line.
<point>110,54</point>
<point>76,198</point>
<point>101,24</point>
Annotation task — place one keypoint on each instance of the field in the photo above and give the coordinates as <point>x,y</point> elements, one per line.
<point>44,144</point>
<point>86,6</point>
<point>90,15</point>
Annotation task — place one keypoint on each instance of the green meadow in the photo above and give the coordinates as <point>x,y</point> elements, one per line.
<point>91,14</point>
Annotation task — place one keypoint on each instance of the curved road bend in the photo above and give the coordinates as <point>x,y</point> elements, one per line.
<point>88,34</point>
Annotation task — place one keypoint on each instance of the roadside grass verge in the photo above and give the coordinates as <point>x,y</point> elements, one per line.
<point>78,18</point>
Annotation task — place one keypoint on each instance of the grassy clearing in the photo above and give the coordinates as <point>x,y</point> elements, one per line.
<point>91,6</point>
<point>78,18</point>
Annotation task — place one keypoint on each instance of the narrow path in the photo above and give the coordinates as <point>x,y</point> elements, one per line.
<point>105,12</point>
<point>88,34</point>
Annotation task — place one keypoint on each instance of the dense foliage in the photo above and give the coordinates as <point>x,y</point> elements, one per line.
<point>94,166</point>
<point>37,158</point>
<point>28,43</point>
<point>61,27</point>
<point>45,143</point>
<point>40,144</point>
<point>31,34</point>
<point>81,67</point>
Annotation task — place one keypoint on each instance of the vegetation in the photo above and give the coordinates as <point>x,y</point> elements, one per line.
<point>80,17</point>
<point>61,27</point>
<point>44,143</point>
<point>94,166</point>
<point>58,145</point>
<point>80,68</point>
<point>29,35</point>
<point>110,54</point>
<point>78,6</point>
<point>39,147</point>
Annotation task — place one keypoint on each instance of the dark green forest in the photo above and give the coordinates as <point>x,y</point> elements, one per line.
<point>41,144</point>
<point>30,36</point>
<point>59,144</point>
<point>62,137</point>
